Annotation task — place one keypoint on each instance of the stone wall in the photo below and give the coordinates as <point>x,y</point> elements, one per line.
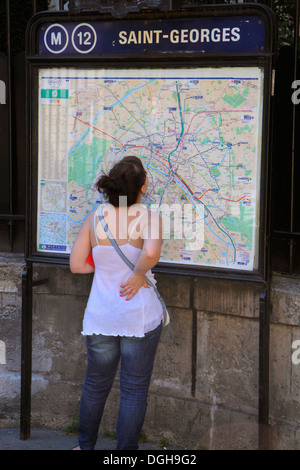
<point>11,268</point>
<point>204,390</point>
<point>284,373</point>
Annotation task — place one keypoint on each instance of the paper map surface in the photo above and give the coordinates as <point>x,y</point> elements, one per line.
<point>198,134</point>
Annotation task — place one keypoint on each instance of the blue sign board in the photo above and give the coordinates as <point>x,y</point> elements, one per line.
<point>240,34</point>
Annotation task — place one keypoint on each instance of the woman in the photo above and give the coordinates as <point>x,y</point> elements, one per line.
<point>123,315</point>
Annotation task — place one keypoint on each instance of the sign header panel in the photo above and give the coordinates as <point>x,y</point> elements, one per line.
<point>205,35</point>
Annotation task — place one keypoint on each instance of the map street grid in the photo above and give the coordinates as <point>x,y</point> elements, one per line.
<point>197,132</point>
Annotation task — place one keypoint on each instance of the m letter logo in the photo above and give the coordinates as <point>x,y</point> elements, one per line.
<point>56,39</point>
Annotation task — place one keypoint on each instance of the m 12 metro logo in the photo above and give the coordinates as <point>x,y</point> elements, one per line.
<point>58,39</point>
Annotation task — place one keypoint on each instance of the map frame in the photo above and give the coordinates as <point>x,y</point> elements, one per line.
<point>204,134</point>
<point>255,59</point>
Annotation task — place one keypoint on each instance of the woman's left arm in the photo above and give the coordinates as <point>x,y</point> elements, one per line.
<point>149,257</point>
<point>81,249</point>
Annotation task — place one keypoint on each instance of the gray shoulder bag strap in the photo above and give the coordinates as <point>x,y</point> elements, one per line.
<point>166,318</point>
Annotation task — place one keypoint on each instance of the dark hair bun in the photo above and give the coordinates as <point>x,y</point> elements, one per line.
<point>108,183</point>
<point>125,179</point>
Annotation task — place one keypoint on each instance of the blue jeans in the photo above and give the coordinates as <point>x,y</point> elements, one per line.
<point>137,357</point>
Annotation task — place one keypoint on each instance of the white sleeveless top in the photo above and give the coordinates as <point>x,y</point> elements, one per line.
<point>109,314</point>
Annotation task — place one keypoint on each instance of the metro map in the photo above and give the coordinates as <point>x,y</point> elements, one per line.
<point>198,134</point>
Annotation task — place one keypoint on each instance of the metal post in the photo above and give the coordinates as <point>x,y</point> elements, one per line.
<point>9,94</point>
<point>26,358</point>
<point>263,405</point>
<point>294,132</point>
<point>194,336</point>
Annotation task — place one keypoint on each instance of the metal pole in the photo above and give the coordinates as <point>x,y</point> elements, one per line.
<point>263,393</point>
<point>9,94</point>
<point>194,336</point>
<point>26,354</point>
<point>296,39</point>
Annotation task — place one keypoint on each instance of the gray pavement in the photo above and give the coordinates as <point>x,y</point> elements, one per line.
<point>47,439</point>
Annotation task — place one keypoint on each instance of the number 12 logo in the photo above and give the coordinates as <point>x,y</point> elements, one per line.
<point>84,38</point>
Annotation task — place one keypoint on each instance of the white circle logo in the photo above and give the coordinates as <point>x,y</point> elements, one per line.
<point>56,38</point>
<point>84,38</point>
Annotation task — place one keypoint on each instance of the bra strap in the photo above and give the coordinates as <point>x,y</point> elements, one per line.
<point>95,226</point>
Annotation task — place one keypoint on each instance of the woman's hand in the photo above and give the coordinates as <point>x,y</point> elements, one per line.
<point>132,285</point>
<point>149,256</point>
